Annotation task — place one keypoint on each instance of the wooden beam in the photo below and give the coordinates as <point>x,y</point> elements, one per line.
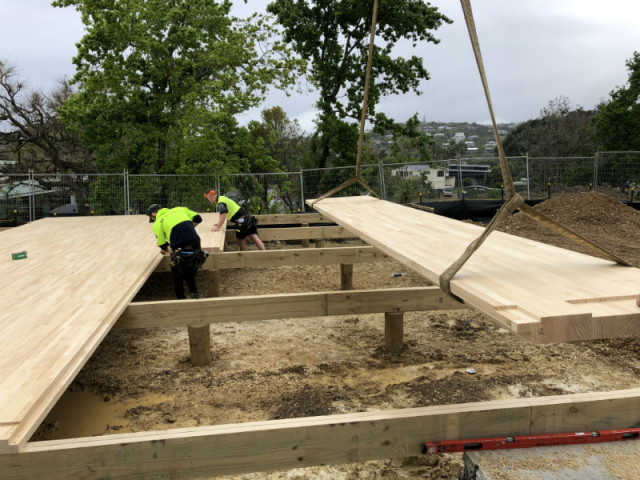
<point>291,218</point>
<point>298,233</point>
<point>174,313</point>
<point>424,208</point>
<point>293,256</point>
<point>304,442</point>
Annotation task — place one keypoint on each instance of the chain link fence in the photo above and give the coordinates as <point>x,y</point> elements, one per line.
<point>28,197</point>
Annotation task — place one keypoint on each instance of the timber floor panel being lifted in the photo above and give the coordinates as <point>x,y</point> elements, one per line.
<point>543,293</point>
<point>58,304</point>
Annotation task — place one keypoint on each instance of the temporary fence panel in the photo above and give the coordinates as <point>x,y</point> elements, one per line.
<point>17,193</point>
<point>618,173</point>
<point>319,181</point>
<point>264,193</point>
<point>169,191</point>
<point>28,197</point>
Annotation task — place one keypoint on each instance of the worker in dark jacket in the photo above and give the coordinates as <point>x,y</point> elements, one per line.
<point>245,224</point>
<point>176,235</point>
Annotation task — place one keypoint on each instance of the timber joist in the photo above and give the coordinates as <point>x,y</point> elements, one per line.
<point>287,257</point>
<point>175,313</point>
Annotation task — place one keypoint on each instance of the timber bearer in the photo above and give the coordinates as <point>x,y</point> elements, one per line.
<point>245,224</point>
<point>176,235</point>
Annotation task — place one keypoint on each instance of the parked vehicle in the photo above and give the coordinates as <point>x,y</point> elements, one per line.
<point>480,191</point>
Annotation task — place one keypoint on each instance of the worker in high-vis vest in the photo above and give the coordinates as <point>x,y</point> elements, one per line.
<point>246,226</point>
<point>176,235</point>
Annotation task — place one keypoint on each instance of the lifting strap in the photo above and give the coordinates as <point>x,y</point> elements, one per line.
<point>363,116</point>
<point>514,200</point>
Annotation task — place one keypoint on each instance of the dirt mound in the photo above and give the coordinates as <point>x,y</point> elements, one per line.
<point>599,218</point>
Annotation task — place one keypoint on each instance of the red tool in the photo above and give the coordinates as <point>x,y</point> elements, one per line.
<point>528,441</point>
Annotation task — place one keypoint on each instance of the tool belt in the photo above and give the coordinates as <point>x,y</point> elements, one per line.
<point>188,258</point>
<point>245,222</point>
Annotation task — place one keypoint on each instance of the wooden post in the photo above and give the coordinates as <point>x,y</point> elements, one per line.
<point>305,241</point>
<point>320,243</point>
<point>346,276</point>
<point>214,283</point>
<point>393,331</point>
<point>200,345</point>
<point>200,335</point>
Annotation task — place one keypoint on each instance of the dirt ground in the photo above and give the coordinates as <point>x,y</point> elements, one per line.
<point>142,380</point>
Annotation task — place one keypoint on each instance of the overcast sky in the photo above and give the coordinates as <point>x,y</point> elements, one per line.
<point>534,51</point>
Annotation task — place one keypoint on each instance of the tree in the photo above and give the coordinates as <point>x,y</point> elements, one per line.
<point>618,120</point>
<point>559,131</point>
<point>334,36</point>
<point>409,143</point>
<point>283,138</point>
<point>156,78</point>
<point>32,131</point>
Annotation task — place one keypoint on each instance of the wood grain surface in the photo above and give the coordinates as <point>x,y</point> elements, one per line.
<point>543,293</point>
<point>58,304</point>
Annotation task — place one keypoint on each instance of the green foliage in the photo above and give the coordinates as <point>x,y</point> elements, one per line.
<point>405,190</point>
<point>334,36</point>
<point>468,181</point>
<point>157,77</point>
<point>560,131</point>
<point>282,138</point>
<point>107,195</point>
<point>621,170</point>
<point>409,143</point>
<point>213,149</point>
<point>618,120</point>
<point>572,174</point>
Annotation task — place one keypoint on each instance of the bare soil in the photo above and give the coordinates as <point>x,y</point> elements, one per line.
<point>142,380</point>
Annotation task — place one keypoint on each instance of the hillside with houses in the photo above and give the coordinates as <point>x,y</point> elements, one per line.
<point>456,139</point>
<point>479,139</point>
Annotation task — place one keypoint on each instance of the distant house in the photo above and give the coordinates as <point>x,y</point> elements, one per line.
<point>464,170</point>
<point>459,137</point>
<point>438,177</point>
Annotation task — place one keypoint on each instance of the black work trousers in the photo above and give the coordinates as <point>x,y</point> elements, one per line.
<point>180,275</point>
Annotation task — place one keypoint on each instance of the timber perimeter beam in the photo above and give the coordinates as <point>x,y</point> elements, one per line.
<point>305,442</point>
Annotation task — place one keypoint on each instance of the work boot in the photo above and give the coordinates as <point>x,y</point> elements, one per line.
<point>195,295</point>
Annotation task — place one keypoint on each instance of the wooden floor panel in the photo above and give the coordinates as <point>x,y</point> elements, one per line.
<point>57,305</point>
<point>543,293</point>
